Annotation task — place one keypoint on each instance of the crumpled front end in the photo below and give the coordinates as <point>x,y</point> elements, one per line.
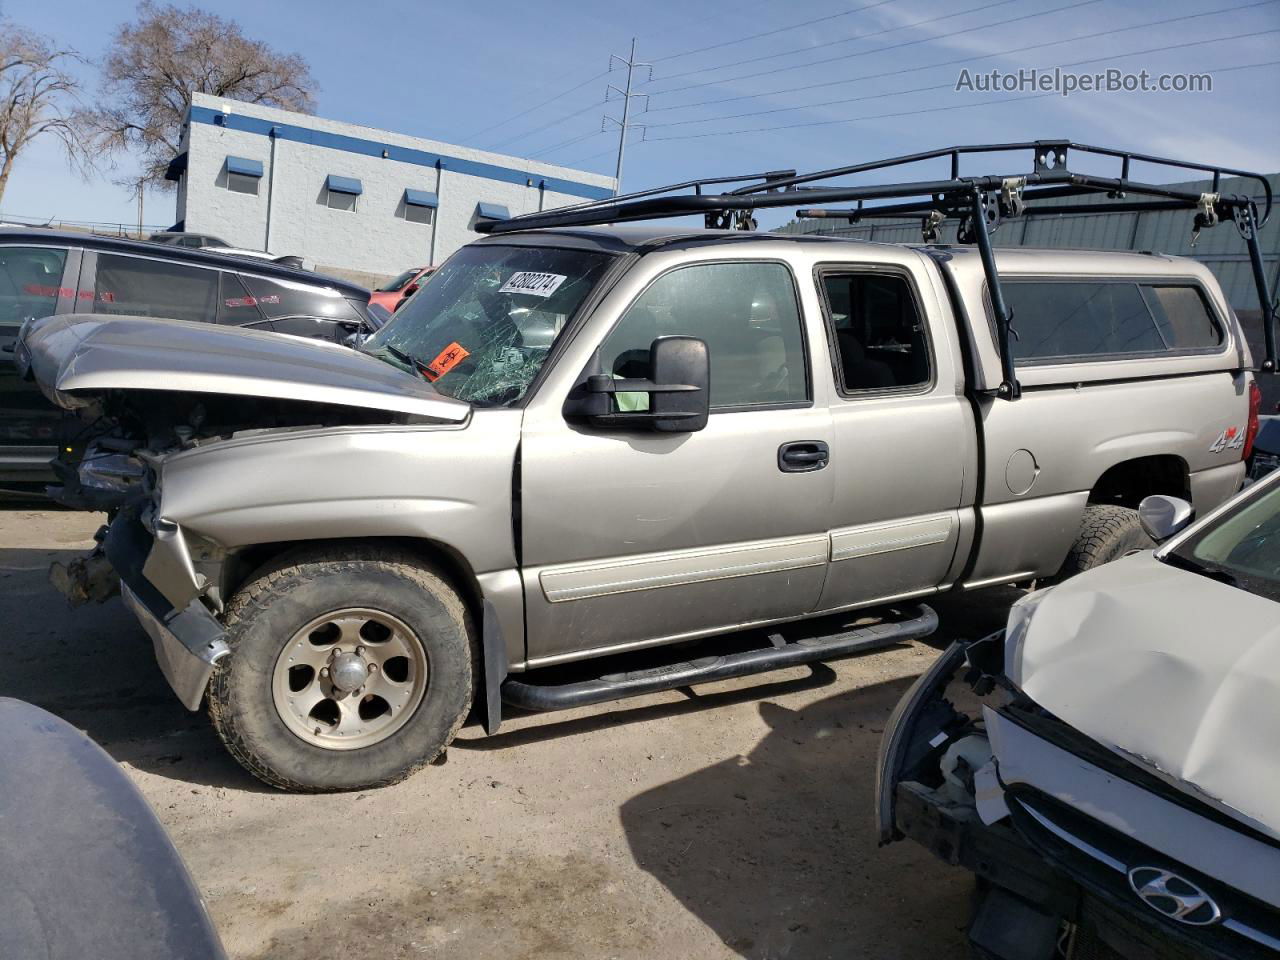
<point>161,586</point>
<point>1074,843</point>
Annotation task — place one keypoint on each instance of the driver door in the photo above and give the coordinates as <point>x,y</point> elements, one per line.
<point>631,538</point>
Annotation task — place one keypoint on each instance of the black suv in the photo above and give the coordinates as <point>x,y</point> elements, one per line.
<point>46,272</point>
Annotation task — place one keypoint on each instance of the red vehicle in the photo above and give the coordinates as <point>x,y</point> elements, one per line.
<point>390,294</point>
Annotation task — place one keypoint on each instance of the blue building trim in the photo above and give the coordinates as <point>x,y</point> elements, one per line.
<point>371,148</point>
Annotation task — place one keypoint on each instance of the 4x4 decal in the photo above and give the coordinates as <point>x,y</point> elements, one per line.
<point>1231,438</point>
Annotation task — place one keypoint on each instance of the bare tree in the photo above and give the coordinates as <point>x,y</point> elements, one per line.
<point>37,96</point>
<point>156,63</point>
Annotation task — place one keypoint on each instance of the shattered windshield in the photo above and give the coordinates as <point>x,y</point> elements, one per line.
<point>1242,547</point>
<point>482,325</point>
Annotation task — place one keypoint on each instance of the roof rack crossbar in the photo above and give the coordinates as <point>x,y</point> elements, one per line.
<point>977,201</point>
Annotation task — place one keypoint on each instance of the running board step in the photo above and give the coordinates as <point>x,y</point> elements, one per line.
<point>615,686</point>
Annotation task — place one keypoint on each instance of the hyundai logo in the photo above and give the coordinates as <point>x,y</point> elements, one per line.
<point>1178,899</point>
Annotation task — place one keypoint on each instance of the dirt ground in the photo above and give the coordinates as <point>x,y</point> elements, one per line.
<point>730,821</point>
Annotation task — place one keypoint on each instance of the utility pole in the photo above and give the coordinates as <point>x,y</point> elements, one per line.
<point>625,123</point>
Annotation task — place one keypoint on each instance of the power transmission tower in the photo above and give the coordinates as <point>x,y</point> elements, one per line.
<point>625,123</point>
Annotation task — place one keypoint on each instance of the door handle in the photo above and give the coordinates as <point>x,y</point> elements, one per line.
<point>803,456</point>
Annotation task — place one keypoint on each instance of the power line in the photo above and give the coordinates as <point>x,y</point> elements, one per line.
<point>864,53</point>
<point>538,106</point>
<point>832,43</point>
<point>565,143</point>
<point>548,125</point>
<point>964,59</point>
<point>950,85</point>
<point>961,106</point>
<point>769,33</point>
<point>594,156</point>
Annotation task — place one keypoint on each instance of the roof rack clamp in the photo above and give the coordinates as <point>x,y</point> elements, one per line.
<point>929,226</point>
<point>1206,215</point>
<point>1011,202</point>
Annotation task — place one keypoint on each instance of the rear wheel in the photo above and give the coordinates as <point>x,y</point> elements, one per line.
<point>1106,533</point>
<point>347,671</point>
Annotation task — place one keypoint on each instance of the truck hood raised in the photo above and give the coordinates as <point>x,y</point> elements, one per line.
<point>1176,672</point>
<point>75,354</point>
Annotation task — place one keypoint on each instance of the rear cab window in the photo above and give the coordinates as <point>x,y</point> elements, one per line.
<point>1064,320</point>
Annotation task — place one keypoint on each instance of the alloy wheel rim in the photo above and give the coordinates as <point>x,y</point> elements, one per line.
<point>350,678</point>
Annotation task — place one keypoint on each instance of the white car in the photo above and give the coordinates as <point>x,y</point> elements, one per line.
<point>1108,765</point>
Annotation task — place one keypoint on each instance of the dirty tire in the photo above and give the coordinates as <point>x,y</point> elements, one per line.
<point>307,583</point>
<point>1106,533</point>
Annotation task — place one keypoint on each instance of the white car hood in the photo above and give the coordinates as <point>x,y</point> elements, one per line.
<point>1171,669</point>
<point>77,353</point>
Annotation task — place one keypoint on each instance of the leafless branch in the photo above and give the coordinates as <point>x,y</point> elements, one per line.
<point>159,59</point>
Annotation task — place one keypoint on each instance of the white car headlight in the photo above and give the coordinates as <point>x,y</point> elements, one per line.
<point>1015,631</point>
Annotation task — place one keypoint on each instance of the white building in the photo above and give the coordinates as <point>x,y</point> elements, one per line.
<point>349,197</point>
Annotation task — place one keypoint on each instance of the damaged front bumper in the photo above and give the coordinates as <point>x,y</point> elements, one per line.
<point>161,587</point>
<point>1057,835</point>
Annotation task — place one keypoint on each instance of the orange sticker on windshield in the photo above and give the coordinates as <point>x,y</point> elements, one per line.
<point>446,360</point>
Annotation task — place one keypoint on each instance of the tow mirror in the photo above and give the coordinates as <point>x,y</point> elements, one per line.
<point>1162,517</point>
<point>676,398</point>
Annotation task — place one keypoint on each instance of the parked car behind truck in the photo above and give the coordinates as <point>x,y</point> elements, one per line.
<point>44,272</point>
<point>581,441</point>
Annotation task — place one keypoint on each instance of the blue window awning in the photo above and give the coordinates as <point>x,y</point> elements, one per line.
<point>420,198</point>
<point>337,184</point>
<point>492,211</point>
<point>243,165</point>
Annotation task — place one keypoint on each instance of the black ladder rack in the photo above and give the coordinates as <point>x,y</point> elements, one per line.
<point>978,203</point>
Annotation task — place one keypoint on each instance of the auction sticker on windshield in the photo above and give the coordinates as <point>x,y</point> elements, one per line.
<point>449,357</point>
<point>534,284</point>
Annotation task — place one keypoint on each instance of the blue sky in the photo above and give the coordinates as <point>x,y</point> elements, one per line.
<point>838,86</point>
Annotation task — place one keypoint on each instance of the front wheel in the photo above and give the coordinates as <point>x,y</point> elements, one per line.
<point>348,670</point>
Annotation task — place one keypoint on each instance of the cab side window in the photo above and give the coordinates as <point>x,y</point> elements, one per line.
<point>748,316</point>
<point>143,287</point>
<point>877,332</point>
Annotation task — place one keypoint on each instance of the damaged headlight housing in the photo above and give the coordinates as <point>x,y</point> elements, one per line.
<point>1015,632</point>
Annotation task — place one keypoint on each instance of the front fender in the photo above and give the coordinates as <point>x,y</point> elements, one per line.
<point>451,485</point>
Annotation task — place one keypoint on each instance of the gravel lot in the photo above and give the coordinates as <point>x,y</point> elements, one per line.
<point>733,821</point>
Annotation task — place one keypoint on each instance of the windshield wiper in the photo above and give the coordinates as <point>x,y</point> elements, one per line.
<point>400,355</point>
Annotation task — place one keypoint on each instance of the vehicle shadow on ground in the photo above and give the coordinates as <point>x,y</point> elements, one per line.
<point>94,667</point>
<point>800,806</point>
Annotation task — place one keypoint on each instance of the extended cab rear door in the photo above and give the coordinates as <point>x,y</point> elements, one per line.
<point>631,538</point>
<point>903,455</point>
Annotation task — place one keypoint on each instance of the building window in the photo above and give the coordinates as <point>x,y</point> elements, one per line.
<point>492,211</point>
<point>420,206</point>
<point>243,175</point>
<point>341,192</point>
